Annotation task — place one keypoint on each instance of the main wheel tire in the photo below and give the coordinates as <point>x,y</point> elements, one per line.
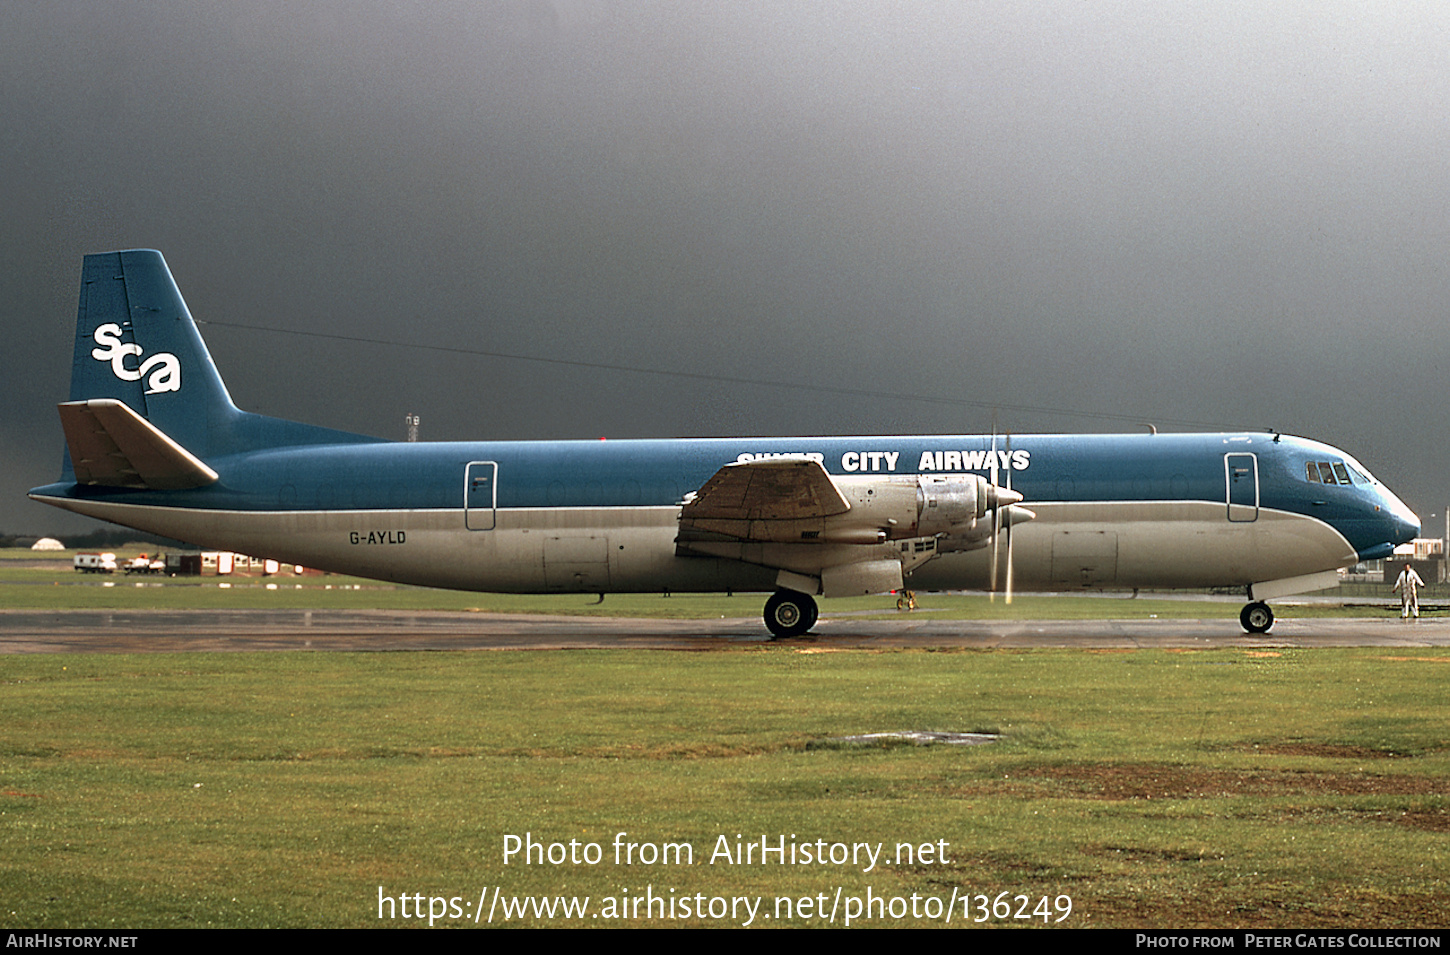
<point>1257,618</point>
<point>789,614</point>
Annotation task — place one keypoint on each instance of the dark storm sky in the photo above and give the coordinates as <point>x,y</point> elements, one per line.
<point>1226,213</point>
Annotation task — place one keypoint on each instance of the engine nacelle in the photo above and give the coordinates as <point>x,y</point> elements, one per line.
<point>878,509</point>
<point>946,505</point>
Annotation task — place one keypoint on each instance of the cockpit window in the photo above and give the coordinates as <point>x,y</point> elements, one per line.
<point>1334,472</point>
<point>1359,471</point>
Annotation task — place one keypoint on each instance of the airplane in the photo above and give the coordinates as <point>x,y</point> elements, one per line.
<point>154,442</point>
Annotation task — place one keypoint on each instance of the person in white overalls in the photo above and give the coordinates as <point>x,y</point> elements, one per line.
<point>1409,584</point>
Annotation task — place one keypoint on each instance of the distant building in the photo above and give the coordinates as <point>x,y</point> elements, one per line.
<point>47,543</point>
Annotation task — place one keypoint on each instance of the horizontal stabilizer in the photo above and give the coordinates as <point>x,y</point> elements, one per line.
<point>773,489</point>
<point>111,445</point>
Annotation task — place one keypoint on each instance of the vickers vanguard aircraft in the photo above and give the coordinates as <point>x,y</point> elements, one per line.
<point>155,443</point>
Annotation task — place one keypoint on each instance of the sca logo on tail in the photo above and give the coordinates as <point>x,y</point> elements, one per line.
<point>162,371</point>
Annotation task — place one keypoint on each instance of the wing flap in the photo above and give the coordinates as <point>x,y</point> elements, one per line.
<point>112,446</point>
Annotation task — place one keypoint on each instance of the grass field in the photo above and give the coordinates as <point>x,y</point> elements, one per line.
<point>1215,788</point>
<point>1225,788</point>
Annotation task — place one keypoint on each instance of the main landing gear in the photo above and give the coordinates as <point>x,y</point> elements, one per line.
<point>1257,617</point>
<point>789,613</point>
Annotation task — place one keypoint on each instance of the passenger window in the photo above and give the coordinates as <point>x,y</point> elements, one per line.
<point>1341,473</point>
<point>1326,473</point>
<point>1311,471</point>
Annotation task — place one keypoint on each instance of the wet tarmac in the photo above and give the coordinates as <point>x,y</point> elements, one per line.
<point>101,631</point>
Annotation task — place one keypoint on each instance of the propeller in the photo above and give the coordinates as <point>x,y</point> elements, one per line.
<point>1002,500</point>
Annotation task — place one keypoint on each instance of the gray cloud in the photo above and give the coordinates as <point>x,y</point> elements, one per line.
<point>1226,213</point>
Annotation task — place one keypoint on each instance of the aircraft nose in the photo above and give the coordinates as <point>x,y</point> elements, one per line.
<point>1404,523</point>
<point>1395,521</point>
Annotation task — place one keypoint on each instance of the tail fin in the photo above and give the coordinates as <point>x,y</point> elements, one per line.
<point>136,343</point>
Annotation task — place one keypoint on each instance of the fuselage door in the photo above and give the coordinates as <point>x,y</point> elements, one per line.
<point>1241,474</point>
<point>480,495</point>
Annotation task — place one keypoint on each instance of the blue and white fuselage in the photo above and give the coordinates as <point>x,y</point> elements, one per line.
<point>1272,514</point>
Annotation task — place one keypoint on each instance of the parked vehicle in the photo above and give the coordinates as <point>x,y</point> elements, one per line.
<point>96,563</point>
<point>147,565</point>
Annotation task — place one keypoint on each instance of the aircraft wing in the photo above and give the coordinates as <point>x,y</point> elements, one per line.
<point>773,489</point>
<point>113,446</point>
<point>788,514</point>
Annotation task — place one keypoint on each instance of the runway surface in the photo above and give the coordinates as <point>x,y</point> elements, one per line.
<point>167,631</point>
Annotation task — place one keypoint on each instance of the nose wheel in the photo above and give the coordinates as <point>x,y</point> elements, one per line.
<point>1257,617</point>
<point>790,614</point>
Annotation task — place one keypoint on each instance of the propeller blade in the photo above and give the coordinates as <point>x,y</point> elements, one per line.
<point>1009,521</point>
<point>996,515</point>
<point>1009,565</point>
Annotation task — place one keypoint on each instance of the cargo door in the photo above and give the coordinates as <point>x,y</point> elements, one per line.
<point>1084,558</point>
<point>576,564</point>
